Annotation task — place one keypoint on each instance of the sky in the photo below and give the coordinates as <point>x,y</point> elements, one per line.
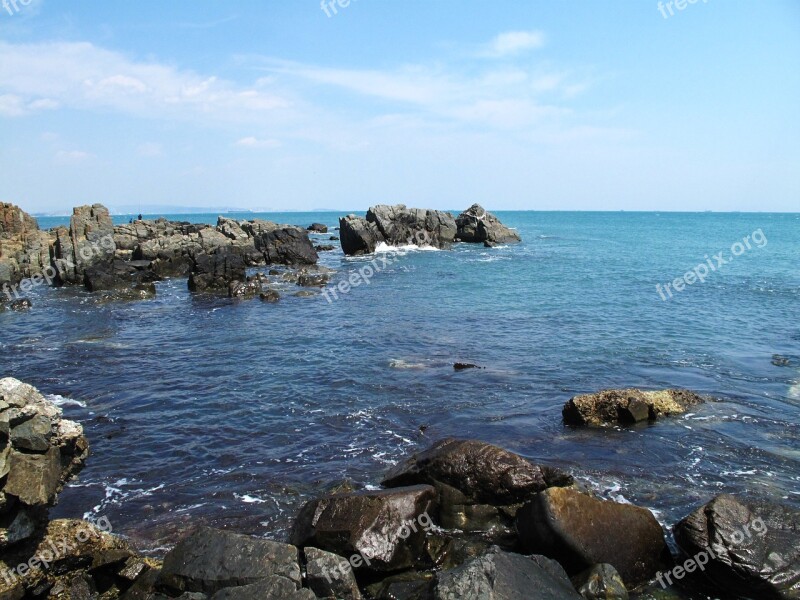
<point>297,105</point>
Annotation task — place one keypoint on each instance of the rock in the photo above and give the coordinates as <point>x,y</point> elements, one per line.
<point>580,531</point>
<point>480,486</point>
<point>325,248</point>
<point>385,528</point>
<point>270,588</point>
<point>464,366</point>
<point>358,236</point>
<point>400,226</point>
<point>751,546</point>
<point>600,582</point>
<point>475,225</point>
<point>334,238</point>
<point>499,575</point>
<point>409,585</point>
<point>210,560</point>
<point>313,279</point>
<point>24,249</point>
<point>244,289</point>
<point>215,272</point>
<point>88,243</point>
<point>305,294</point>
<point>318,228</point>
<point>270,296</point>
<point>282,244</point>
<point>330,575</point>
<point>488,244</point>
<point>627,406</point>
<point>21,305</point>
<point>39,453</point>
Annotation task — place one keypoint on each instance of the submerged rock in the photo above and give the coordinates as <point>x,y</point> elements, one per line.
<point>385,528</point>
<point>749,547</point>
<point>580,531</point>
<point>499,575</point>
<point>476,226</point>
<point>480,486</point>
<point>627,406</point>
<point>318,228</point>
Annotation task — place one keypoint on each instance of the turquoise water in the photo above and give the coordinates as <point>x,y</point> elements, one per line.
<point>234,413</point>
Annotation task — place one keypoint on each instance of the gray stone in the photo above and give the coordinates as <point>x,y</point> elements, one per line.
<point>600,582</point>
<point>34,478</point>
<point>330,575</point>
<point>475,225</point>
<point>33,435</point>
<point>271,588</point>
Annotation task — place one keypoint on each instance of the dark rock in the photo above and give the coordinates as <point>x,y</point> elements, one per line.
<point>313,279</point>
<point>270,296</point>
<point>410,585</point>
<point>270,588</point>
<point>499,575</point>
<point>358,236</point>
<point>600,582</point>
<point>215,272</point>
<point>33,435</point>
<point>386,528</point>
<point>488,244</point>
<point>210,560</point>
<point>580,531</point>
<point>21,305</point>
<point>401,226</point>
<point>325,248</point>
<point>464,366</point>
<point>330,576</point>
<point>318,228</point>
<point>244,289</point>
<point>480,486</point>
<point>281,244</point>
<point>475,225</point>
<point>627,406</point>
<point>751,546</point>
<point>334,238</point>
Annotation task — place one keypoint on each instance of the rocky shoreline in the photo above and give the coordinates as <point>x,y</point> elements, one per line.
<point>122,262</point>
<point>462,519</point>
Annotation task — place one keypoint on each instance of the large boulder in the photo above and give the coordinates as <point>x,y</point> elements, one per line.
<point>210,560</point>
<point>39,453</point>
<point>480,486</point>
<point>400,226</point>
<point>580,531</point>
<point>88,243</point>
<point>358,236</point>
<point>627,406</point>
<point>330,575</point>
<point>499,575</point>
<point>215,272</point>
<point>749,547</point>
<point>475,225</point>
<point>386,529</point>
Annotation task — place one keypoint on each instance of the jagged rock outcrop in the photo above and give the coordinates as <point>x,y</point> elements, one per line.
<point>396,226</point>
<point>281,244</point>
<point>24,249</point>
<point>39,452</point>
<point>747,546</point>
<point>627,406</point>
<point>480,486</point>
<point>216,271</point>
<point>580,531</point>
<point>476,226</point>
<point>87,244</point>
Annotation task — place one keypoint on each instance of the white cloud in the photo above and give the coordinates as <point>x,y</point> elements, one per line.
<point>513,43</point>
<point>253,142</point>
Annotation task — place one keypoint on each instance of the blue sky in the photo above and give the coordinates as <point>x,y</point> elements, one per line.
<point>276,105</point>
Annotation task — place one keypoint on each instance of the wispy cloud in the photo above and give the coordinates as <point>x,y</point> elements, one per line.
<point>513,43</point>
<point>254,142</point>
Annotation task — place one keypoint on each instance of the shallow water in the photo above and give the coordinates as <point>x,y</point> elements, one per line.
<point>233,413</point>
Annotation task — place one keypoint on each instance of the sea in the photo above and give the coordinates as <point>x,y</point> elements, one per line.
<point>231,413</point>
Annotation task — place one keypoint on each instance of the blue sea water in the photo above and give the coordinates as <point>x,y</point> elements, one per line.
<point>233,413</point>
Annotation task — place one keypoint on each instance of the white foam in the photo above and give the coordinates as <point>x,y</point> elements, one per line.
<point>794,391</point>
<point>383,247</point>
<point>397,363</point>
<point>247,499</point>
<point>62,401</point>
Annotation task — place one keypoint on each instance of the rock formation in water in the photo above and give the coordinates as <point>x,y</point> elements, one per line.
<point>24,249</point>
<point>398,226</point>
<point>627,406</point>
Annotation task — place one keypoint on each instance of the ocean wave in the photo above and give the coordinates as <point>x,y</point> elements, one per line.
<point>62,401</point>
<point>383,247</point>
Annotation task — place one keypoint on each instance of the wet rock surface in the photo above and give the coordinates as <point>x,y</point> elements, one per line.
<point>580,531</point>
<point>627,406</point>
<point>752,546</point>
